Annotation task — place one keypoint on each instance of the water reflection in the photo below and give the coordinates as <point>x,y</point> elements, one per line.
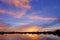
<point>28,37</point>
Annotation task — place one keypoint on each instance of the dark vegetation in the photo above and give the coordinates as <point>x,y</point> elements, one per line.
<point>57,32</point>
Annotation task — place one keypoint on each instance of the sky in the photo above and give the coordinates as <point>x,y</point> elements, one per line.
<point>29,16</point>
<point>19,13</point>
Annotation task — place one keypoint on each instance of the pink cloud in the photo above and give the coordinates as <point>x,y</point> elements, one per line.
<point>23,4</point>
<point>16,14</point>
<point>41,18</point>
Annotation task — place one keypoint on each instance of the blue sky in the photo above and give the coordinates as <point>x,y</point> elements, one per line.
<point>45,13</point>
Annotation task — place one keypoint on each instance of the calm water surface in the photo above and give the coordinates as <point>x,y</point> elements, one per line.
<point>28,37</point>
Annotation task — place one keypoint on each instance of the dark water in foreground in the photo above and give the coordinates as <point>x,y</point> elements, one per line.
<point>28,37</point>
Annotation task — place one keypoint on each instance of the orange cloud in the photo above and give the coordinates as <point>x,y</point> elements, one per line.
<point>41,18</point>
<point>25,29</point>
<point>3,27</point>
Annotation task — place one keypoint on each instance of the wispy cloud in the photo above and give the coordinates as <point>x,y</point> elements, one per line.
<point>19,3</point>
<point>3,27</point>
<point>4,19</point>
<point>23,23</point>
<point>16,14</point>
<point>41,18</point>
<point>23,29</point>
<point>27,28</point>
<point>24,5</point>
<point>51,28</point>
